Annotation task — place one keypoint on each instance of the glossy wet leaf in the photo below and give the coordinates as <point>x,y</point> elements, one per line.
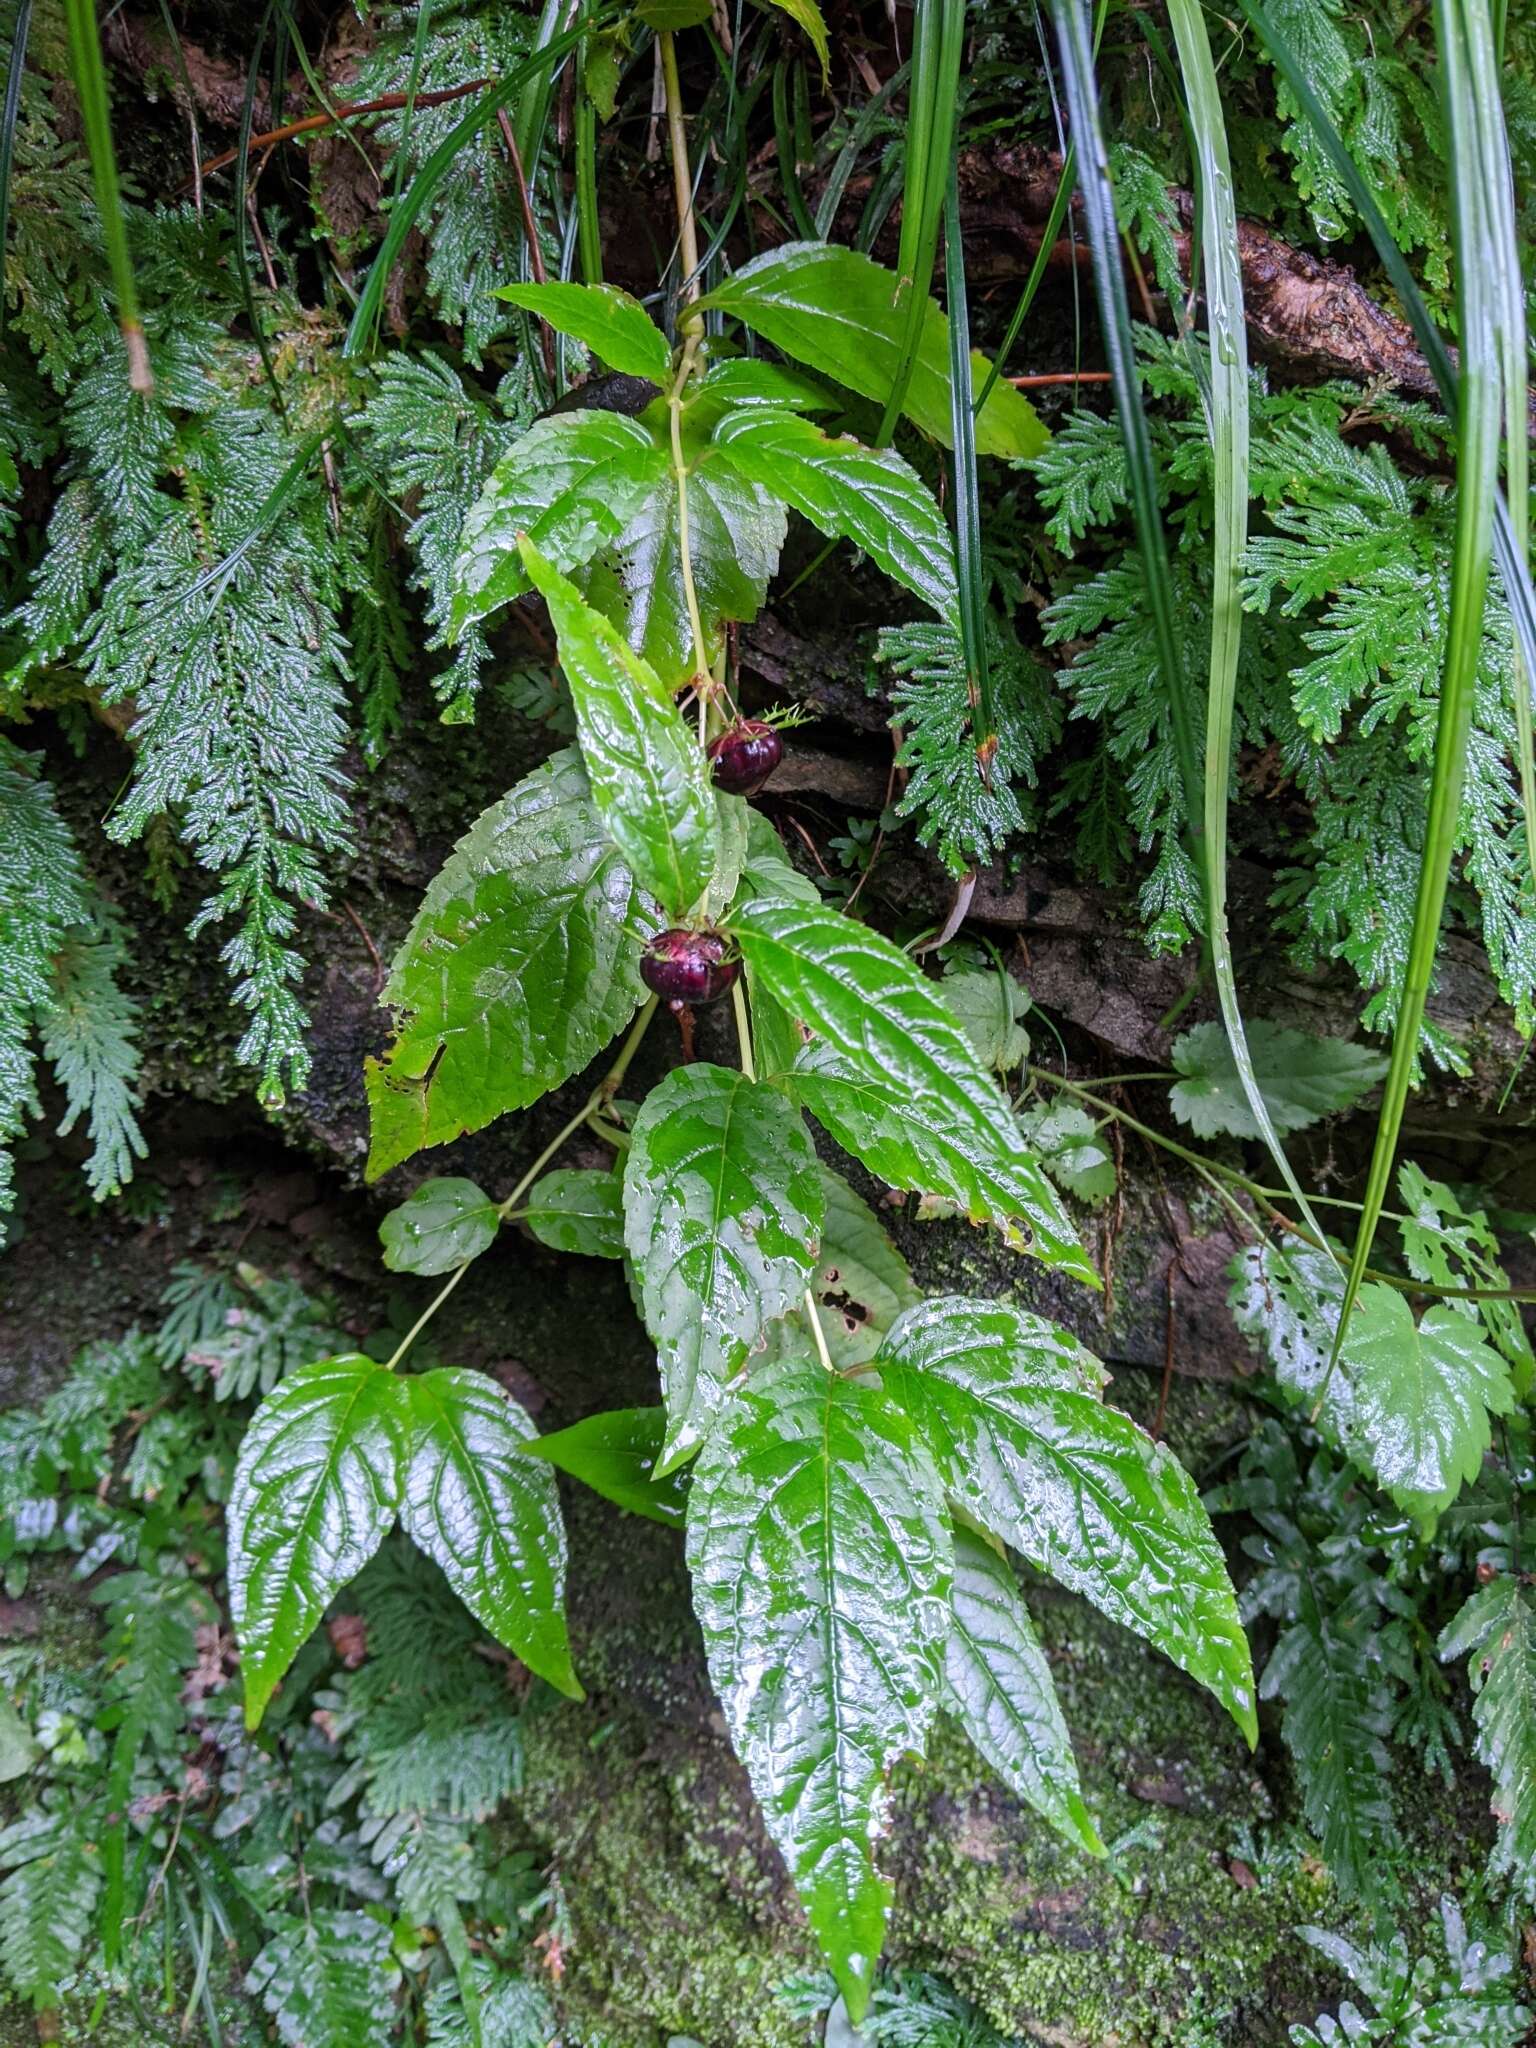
<point>1073,1149</point>
<point>751,380</point>
<point>869,496</point>
<point>1032,1454</point>
<point>488,1516</point>
<point>1001,1687</point>
<point>1302,1079</point>
<point>614,326</point>
<point>989,1006</point>
<point>723,1209</point>
<point>895,1079</point>
<point>522,964</point>
<point>578,1209</point>
<point>316,1486</point>
<point>442,1225</point>
<point>809,17</point>
<point>649,781</point>
<point>821,1562</point>
<point>570,483</point>
<point>860,1277</point>
<point>616,1454</point>
<point>835,309</point>
<point>1422,1396</point>
<point>1449,1243</point>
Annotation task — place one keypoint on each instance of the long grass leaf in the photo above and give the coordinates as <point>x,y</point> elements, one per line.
<point>1508,287</point>
<point>938,37</point>
<point>1036,277</point>
<point>589,230</point>
<point>418,193</point>
<point>1071,24</point>
<point>973,609</point>
<point>15,72</point>
<point>1228,425</point>
<point>1478,424</point>
<point>91,85</point>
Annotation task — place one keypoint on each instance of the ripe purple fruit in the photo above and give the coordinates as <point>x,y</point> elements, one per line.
<point>744,756</point>
<point>688,967</point>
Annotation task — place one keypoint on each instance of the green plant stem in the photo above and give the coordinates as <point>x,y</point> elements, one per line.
<point>692,323</point>
<point>1477,477</point>
<point>91,84</point>
<point>1221,1179</point>
<point>597,1101</point>
<point>589,237</point>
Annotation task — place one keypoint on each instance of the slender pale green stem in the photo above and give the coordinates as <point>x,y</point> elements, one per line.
<point>743,1029</point>
<point>589,234</point>
<point>938,37</point>
<point>595,1103</point>
<point>1477,477</point>
<point>91,84</point>
<point>691,327</point>
<point>1227,424</point>
<point>968,563</point>
<point>682,187</point>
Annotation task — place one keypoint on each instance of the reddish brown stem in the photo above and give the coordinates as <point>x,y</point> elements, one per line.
<point>386,103</point>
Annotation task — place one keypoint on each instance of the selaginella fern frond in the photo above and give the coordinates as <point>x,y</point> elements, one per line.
<point>50,1875</point>
<point>329,1976</point>
<point>225,638</point>
<point>474,217</point>
<point>436,441</point>
<point>966,816</point>
<point>1496,1632</point>
<point>58,958</point>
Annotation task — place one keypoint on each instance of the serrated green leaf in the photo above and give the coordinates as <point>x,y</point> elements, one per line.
<point>1031,1454</point>
<point>1302,1079</point>
<point>316,1485</point>
<point>443,1224</point>
<point>869,496</point>
<point>1497,1627</point>
<point>836,310</point>
<point>723,1209</point>
<point>809,17</point>
<point>614,326</point>
<point>522,964</point>
<point>821,1563</point>
<point>1422,1396</point>
<point>578,1209</point>
<point>487,1516</point>
<point>1071,1149</point>
<point>989,1005</point>
<point>570,483</point>
<point>648,777</point>
<point>737,381</point>
<point>894,1077</point>
<point>616,1454</point>
<point>860,1277</point>
<point>1001,1687</point>
<point>732,832</point>
<point>1451,1245</point>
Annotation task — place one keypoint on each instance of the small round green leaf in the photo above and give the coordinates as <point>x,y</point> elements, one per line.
<point>444,1224</point>
<point>578,1209</point>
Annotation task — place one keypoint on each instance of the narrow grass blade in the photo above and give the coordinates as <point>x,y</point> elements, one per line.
<point>784,147</point>
<point>412,82</point>
<point>973,608</point>
<point>1478,425</point>
<point>418,193</point>
<point>932,90</point>
<point>15,72</point>
<point>589,232</point>
<point>91,84</point>
<point>1037,270</point>
<point>1228,426</point>
<point>1071,24</point>
<point>1508,289</point>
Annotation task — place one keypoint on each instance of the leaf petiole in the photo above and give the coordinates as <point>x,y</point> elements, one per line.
<point>597,1101</point>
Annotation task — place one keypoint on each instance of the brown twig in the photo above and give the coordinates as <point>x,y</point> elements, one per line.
<point>1043,378</point>
<point>386,103</point>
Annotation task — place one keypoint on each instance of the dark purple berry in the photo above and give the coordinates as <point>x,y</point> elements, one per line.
<point>745,756</point>
<point>688,967</point>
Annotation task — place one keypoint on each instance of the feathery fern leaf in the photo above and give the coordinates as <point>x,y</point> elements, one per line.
<point>1496,1630</point>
